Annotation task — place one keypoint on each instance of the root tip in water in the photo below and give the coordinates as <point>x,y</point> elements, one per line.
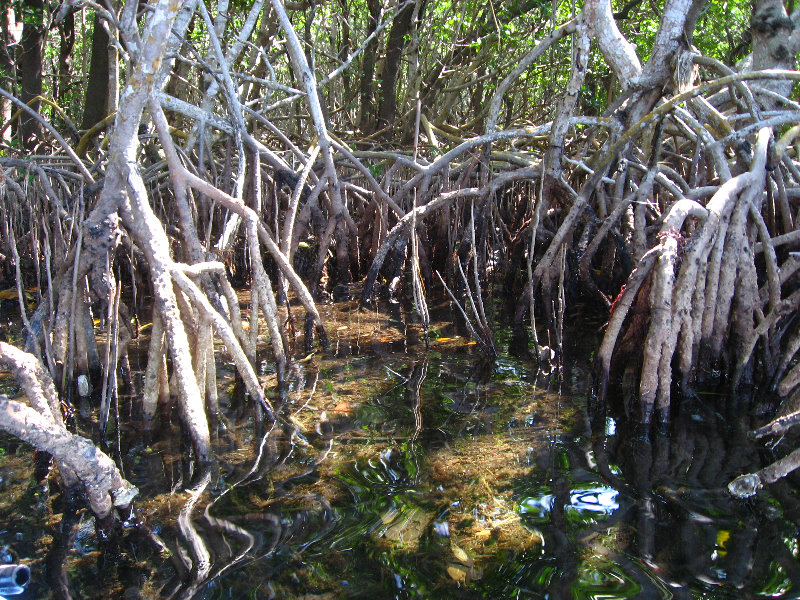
<point>745,486</point>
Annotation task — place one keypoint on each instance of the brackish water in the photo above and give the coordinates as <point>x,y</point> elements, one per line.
<point>400,471</point>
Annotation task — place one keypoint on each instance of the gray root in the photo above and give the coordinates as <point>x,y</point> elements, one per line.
<point>42,426</point>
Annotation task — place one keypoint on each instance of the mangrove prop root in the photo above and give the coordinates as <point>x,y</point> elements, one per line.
<point>42,426</point>
<point>678,267</point>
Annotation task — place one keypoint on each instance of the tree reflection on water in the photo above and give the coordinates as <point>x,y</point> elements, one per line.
<point>676,532</point>
<point>439,476</point>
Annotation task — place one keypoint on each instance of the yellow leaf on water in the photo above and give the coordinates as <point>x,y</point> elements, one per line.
<point>723,536</point>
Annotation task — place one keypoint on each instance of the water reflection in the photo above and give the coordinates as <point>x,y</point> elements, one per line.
<point>583,503</point>
<point>436,475</point>
<point>660,524</point>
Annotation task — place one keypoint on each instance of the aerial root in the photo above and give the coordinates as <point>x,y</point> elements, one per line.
<point>694,283</point>
<point>41,425</point>
<point>748,484</point>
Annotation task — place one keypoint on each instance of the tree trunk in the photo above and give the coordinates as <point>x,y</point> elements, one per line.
<point>6,40</point>
<point>66,30</point>
<point>773,46</point>
<point>125,191</point>
<point>6,67</point>
<point>30,71</point>
<point>96,99</point>
<point>391,67</point>
<point>366,90</point>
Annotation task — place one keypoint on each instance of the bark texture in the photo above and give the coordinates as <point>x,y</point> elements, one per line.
<point>42,426</point>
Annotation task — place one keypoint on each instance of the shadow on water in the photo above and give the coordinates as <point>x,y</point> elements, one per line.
<point>397,471</point>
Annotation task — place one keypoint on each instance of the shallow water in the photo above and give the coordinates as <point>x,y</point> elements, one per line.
<point>400,471</point>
